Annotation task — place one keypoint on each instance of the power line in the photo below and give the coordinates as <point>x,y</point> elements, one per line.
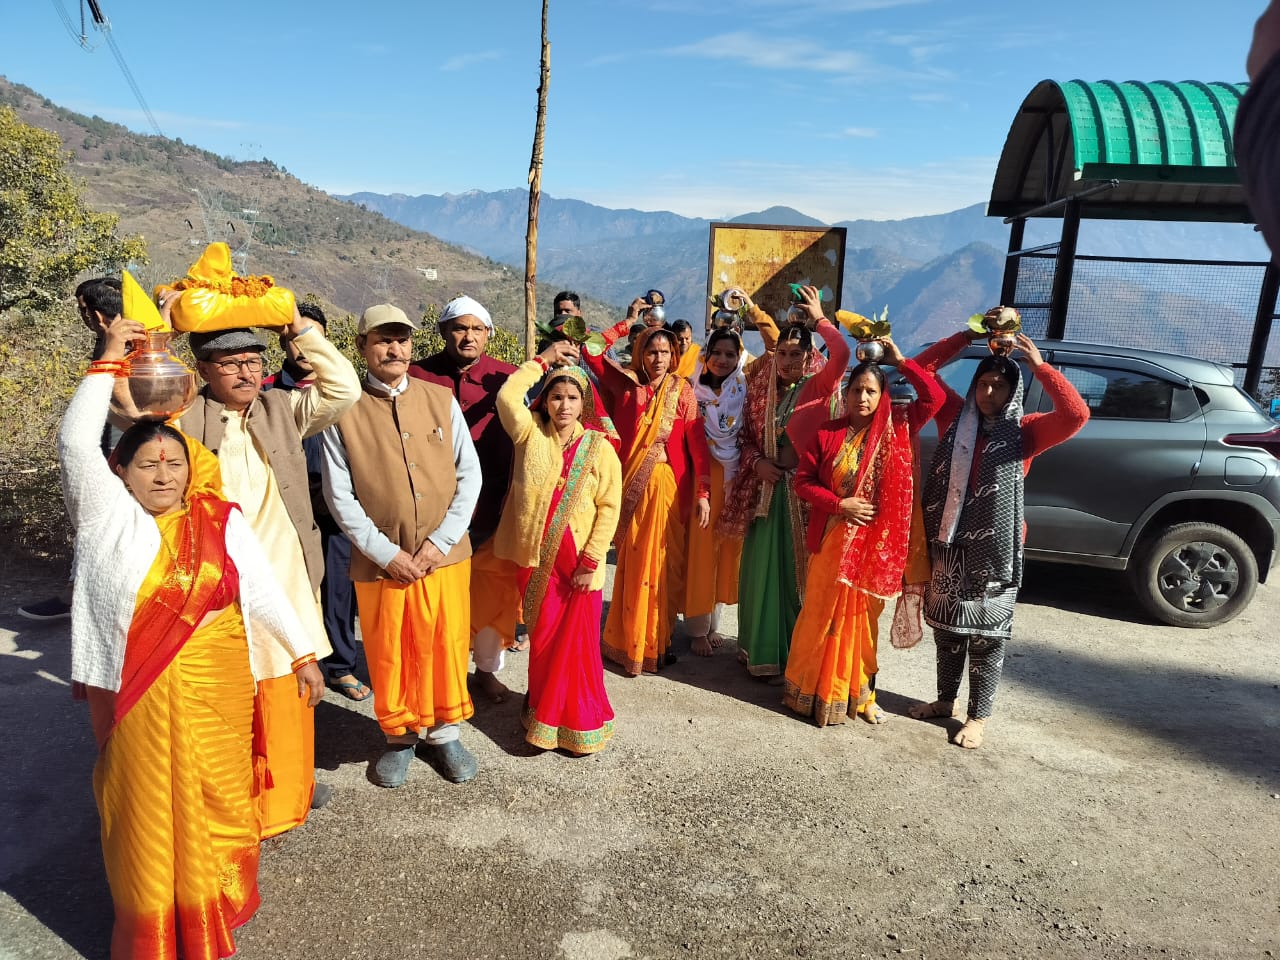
<point>80,38</point>
<point>104,27</point>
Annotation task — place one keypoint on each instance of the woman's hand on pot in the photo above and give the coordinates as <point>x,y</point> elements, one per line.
<point>1029,348</point>
<point>118,335</point>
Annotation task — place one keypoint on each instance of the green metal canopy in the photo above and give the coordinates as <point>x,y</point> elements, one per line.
<point>1169,146</point>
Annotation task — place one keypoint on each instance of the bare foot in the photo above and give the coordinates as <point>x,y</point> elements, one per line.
<point>970,735</point>
<point>715,639</point>
<point>931,711</point>
<point>872,713</point>
<point>701,646</point>
<point>491,686</point>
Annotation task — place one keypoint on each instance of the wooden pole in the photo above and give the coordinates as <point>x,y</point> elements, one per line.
<point>535,195</point>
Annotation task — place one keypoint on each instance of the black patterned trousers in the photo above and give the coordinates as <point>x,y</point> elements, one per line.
<point>986,663</point>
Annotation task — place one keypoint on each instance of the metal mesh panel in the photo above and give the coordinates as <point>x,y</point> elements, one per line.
<point>1201,309</point>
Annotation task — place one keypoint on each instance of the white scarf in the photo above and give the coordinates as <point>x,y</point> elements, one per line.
<point>722,415</point>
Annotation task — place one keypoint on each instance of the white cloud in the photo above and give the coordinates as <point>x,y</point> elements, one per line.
<point>464,60</point>
<point>769,53</point>
<point>867,133</point>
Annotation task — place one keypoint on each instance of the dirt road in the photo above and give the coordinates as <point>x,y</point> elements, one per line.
<point>1126,805</point>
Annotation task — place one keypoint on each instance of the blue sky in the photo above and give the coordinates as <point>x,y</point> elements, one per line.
<point>840,108</point>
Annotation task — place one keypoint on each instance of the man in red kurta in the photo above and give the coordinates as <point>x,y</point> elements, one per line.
<point>475,379</point>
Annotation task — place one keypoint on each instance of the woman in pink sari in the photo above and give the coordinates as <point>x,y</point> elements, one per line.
<point>559,517</point>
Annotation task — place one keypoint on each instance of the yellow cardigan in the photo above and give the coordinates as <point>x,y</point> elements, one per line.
<point>536,471</point>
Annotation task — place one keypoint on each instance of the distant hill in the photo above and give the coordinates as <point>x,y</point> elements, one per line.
<point>931,271</point>
<point>179,196</point>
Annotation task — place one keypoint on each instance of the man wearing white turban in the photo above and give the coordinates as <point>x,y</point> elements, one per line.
<point>475,379</point>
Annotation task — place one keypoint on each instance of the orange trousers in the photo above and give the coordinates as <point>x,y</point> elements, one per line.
<point>416,642</point>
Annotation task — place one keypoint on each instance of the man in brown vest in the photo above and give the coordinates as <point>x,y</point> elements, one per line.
<point>401,477</point>
<point>258,440</point>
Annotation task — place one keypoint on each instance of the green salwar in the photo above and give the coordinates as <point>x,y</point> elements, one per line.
<point>769,585</point>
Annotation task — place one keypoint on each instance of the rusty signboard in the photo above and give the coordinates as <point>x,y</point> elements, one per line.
<point>764,259</point>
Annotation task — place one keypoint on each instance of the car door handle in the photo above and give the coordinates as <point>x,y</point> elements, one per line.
<point>1195,469</point>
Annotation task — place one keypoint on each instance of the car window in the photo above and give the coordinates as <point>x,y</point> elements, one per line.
<point>959,374</point>
<point>1128,395</point>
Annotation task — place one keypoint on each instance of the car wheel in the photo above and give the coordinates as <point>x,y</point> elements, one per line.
<point>1195,575</point>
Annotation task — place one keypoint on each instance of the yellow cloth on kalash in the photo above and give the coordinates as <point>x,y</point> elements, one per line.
<point>712,562</point>
<point>173,785</point>
<point>416,642</point>
<point>288,725</point>
<point>495,594</point>
<point>833,645</point>
<point>642,610</point>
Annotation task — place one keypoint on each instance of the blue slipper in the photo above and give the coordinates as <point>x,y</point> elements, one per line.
<point>352,689</point>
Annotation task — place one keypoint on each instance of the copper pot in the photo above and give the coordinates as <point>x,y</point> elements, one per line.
<point>1002,342</point>
<point>159,385</point>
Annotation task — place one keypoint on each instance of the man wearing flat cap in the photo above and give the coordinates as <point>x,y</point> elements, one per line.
<point>258,440</point>
<point>474,378</point>
<point>401,478</point>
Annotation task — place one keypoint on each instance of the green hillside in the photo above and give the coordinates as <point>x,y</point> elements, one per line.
<point>179,197</point>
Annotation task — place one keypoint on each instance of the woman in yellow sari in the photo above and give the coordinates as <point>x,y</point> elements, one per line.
<point>666,479</point>
<point>856,474</point>
<point>173,597</point>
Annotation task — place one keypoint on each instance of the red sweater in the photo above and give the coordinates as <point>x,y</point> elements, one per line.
<point>1040,431</point>
<point>626,401</point>
<point>814,481</point>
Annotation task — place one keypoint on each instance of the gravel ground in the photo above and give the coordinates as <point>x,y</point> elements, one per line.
<point>1126,805</point>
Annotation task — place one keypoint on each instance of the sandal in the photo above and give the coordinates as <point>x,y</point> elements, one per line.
<point>351,688</point>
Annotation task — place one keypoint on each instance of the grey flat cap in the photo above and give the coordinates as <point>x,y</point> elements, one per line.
<point>204,345</point>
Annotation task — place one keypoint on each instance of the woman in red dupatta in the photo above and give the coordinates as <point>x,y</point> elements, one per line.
<point>560,515</point>
<point>794,384</point>
<point>665,460</point>
<point>161,651</point>
<point>856,475</point>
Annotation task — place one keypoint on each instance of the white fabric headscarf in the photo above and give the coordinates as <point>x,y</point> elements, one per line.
<point>465,306</point>
<point>722,413</point>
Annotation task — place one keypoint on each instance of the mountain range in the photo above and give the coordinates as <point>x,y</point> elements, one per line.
<point>931,271</point>
<point>417,252</point>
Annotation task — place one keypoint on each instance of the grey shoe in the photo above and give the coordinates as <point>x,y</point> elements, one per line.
<point>451,760</point>
<point>393,766</point>
<point>321,795</point>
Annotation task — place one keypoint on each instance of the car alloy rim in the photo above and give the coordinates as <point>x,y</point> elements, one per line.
<point>1198,577</point>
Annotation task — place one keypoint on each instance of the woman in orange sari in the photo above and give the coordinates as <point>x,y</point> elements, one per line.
<point>666,479</point>
<point>174,599</point>
<point>856,475</point>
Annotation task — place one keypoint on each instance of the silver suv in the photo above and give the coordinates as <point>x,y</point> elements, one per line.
<point>1175,478</point>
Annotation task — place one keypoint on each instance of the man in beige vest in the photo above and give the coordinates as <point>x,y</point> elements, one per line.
<point>258,440</point>
<point>401,477</point>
